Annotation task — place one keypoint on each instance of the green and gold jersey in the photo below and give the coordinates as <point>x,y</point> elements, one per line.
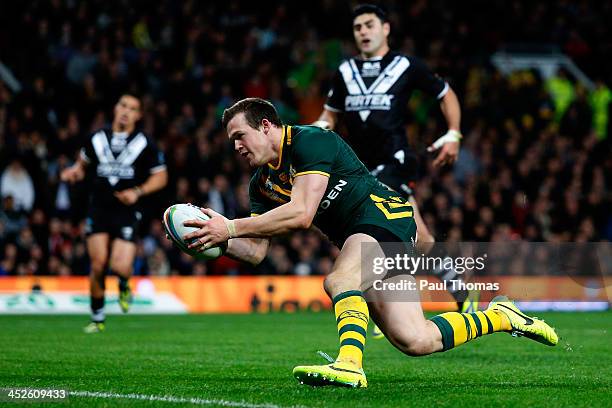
<point>312,150</point>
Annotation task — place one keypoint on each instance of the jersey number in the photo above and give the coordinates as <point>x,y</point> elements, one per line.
<point>393,207</point>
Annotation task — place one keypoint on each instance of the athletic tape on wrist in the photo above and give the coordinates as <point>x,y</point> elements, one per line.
<point>231,228</point>
<point>454,134</point>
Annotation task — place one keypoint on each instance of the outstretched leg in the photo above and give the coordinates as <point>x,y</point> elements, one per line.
<point>407,329</point>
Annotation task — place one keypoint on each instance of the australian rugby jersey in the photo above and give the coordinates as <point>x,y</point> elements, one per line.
<point>307,150</point>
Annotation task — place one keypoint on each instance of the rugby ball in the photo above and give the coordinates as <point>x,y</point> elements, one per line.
<point>174,217</point>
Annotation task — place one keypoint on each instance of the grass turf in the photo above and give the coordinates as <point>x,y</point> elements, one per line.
<point>249,358</point>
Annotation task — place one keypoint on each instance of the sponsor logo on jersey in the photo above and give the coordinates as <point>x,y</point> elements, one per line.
<point>115,171</point>
<point>364,99</point>
<point>331,196</point>
<point>275,192</point>
<point>370,69</point>
<point>118,142</point>
<point>370,102</point>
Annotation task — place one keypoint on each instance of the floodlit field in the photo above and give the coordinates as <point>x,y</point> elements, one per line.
<point>246,361</point>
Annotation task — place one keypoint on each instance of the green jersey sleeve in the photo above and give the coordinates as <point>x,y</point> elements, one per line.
<point>314,151</point>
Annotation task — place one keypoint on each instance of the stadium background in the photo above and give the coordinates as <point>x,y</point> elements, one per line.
<point>535,164</point>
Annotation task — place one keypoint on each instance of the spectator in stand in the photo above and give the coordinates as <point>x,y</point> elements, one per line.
<point>191,61</point>
<point>17,183</point>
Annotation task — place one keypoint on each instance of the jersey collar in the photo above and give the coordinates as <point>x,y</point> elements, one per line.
<point>380,58</point>
<point>371,59</point>
<point>281,146</point>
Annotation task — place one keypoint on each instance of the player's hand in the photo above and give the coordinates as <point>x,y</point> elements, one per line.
<point>128,196</point>
<point>211,232</point>
<point>450,148</point>
<point>72,174</point>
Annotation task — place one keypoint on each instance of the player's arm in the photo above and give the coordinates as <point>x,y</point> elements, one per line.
<point>449,142</point>
<point>306,194</point>
<point>74,173</point>
<point>333,105</point>
<point>449,104</point>
<point>155,182</point>
<point>250,250</point>
<point>433,85</point>
<point>158,177</point>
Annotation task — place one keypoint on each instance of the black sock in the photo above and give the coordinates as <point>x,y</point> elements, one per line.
<point>97,309</point>
<point>123,283</point>
<point>102,281</point>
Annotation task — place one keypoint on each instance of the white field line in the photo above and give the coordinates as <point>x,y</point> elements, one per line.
<point>171,399</point>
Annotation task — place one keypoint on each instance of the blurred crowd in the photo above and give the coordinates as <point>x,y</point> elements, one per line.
<point>535,164</point>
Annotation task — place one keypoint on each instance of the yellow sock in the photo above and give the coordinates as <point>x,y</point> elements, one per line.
<point>352,318</point>
<point>458,328</point>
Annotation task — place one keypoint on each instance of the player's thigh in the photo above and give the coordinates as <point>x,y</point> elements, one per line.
<point>122,255</point>
<point>425,239</point>
<point>346,273</point>
<point>97,248</point>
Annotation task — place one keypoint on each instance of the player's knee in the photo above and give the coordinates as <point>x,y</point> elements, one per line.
<point>425,242</point>
<point>329,284</point>
<point>122,268</point>
<point>338,282</point>
<point>425,237</point>
<point>411,342</point>
<point>420,346</point>
<point>98,264</point>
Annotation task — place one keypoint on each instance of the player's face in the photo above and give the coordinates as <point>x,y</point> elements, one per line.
<point>127,111</point>
<point>252,144</point>
<point>370,34</point>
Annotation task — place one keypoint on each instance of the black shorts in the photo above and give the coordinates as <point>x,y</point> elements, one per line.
<point>118,223</point>
<point>400,175</point>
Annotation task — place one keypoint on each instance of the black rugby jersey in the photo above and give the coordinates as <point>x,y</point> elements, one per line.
<point>373,95</point>
<point>119,161</point>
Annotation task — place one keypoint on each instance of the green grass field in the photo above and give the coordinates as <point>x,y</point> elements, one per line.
<point>246,361</point>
